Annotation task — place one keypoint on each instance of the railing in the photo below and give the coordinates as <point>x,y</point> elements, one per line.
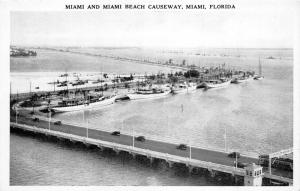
<point>281,153</point>
<point>280,178</point>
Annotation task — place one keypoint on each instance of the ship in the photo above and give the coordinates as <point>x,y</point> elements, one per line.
<point>184,88</point>
<point>242,79</point>
<point>69,105</point>
<point>217,83</point>
<point>259,76</point>
<point>149,93</point>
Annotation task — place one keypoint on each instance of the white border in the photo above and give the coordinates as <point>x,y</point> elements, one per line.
<point>57,5</point>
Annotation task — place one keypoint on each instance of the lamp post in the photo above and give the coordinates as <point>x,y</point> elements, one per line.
<point>16,108</point>
<point>132,137</point>
<point>53,85</point>
<point>122,127</point>
<point>83,116</point>
<point>235,161</point>
<point>49,109</point>
<point>87,128</point>
<point>225,139</point>
<point>190,150</point>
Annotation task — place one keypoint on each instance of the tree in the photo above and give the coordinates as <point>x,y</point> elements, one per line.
<point>192,73</point>
<point>173,79</point>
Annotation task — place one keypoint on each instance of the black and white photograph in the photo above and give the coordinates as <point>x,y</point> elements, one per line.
<point>150,93</point>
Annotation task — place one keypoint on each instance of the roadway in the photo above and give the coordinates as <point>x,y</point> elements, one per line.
<point>153,145</point>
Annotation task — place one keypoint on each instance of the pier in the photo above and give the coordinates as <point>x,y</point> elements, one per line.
<point>215,161</point>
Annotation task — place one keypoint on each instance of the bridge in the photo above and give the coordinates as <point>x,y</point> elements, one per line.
<point>193,157</point>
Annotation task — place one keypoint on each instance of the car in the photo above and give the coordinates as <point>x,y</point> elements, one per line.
<point>116,133</point>
<point>264,156</point>
<point>36,119</point>
<point>234,155</point>
<point>57,123</point>
<point>240,164</point>
<point>140,138</point>
<point>182,147</point>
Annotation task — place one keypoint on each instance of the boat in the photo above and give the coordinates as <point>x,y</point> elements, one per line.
<point>98,81</point>
<point>184,88</point>
<point>148,93</point>
<point>259,76</point>
<point>78,83</point>
<point>68,105</point>
<point>217,83</point>
<point>242,79</point>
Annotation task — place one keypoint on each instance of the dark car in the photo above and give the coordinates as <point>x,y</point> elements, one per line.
<point>57,123</point>
<point>264,156</point>
<point>182,147</point>
<point>240,164</point>
<point>234,155</point>
<point>116,133</point>
<point>140,138</point>
<point>36,119</point>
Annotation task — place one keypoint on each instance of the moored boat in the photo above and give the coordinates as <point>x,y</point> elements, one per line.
<point>242,79</point>
<point>148,94</point>
<point>259,76</point>
<point>217,83</point>
<point>184,88</point>
<point>79,104</point>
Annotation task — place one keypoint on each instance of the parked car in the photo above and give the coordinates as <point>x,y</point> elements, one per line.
<point>140,138</point>
<point>36,119</point>
<point>57,123</point>
<point>234,155</point>
<point>116,133</point>
<point>182,147</point>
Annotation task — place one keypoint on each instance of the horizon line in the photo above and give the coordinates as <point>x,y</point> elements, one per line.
<point>169,47</point>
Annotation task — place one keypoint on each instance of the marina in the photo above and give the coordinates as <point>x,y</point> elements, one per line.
<point>69,112</point>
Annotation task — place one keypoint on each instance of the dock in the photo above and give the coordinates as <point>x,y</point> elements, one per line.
<point>193,157</point>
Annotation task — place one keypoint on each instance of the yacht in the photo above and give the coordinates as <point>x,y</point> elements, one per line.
<point>148,93</point>
<point>217,83</point>
<point>75,104</point>
<point>184,88</point>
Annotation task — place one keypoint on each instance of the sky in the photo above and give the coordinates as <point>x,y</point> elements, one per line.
<point>250,25</point>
